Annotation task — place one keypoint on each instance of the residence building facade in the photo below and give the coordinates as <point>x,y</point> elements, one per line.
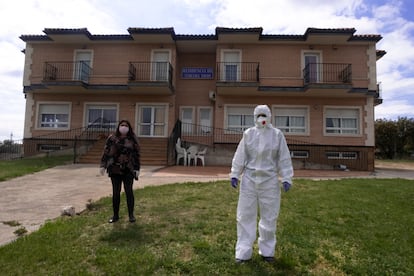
<point>321,87</point>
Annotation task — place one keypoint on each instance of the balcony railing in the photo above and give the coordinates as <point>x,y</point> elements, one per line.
<point>62,71</point>
<point>150,72</point>
<point>67,71</point>
<point>327,73</point>
<point>237,71</point>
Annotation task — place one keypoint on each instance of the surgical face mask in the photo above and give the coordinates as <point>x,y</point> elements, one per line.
<point>261,121</point>
<point>123,129</point>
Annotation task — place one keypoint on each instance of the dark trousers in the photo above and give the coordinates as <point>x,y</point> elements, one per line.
<point>117,180</point>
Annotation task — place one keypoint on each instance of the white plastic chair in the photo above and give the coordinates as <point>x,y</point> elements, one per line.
<point>191,154</point>
<point>200,155</point>
<point>181,153</point>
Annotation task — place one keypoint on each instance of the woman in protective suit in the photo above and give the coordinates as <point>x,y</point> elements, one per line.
<point>261,158</point>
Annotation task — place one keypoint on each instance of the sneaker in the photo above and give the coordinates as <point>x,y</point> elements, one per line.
<point>113,219</point>
<point>269,259</point>
<point>132,219</point>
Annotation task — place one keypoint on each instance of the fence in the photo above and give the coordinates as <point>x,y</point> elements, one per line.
<point>305,155</point>
<point>74,141</point>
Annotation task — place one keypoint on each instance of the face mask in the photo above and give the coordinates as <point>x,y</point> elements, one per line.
<point>123,129</point>
<point>261,121</point>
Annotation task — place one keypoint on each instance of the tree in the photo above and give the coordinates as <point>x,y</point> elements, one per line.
<point>394,139</point>
<point>8,146</point>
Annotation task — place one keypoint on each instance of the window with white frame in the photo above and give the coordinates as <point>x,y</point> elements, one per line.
<point>160,65</point>
<point>53,115</point>
<point>101,116</point>
<point>311,63</point>
<point>292,120</point>
<point>187,119</point>
<point>152,120</point>
<point>239,118</point>
<point>230,69</point>
<point>204,121</point>
<point>83,65</point>
<point>344,121</point>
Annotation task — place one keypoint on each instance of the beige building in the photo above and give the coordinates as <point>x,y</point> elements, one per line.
<point>321,87</point>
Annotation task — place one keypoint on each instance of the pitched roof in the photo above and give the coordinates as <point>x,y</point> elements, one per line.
<point>52,34</point>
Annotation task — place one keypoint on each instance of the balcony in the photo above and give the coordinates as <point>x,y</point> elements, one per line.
<point>152,77</point>
<point>237,78</point>
<point>67,72</point>
<point>139,77</point>
<point>377,95</point>
<point>322,76</point>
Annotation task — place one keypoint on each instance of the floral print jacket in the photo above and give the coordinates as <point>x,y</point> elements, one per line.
<point>121,155</point>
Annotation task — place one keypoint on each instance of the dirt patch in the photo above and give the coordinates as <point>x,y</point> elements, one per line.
<point>398,165</point>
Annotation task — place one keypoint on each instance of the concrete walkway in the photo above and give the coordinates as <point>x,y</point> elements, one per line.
<point>33,199</point>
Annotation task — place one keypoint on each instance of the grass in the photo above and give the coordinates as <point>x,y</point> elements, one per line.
<point>332,227</point>
<point>19,167</point>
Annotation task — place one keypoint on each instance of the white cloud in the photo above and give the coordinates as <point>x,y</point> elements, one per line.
<point>393,109</point>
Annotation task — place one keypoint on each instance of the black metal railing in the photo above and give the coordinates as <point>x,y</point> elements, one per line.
<point>11,149</point>
<point>69,141</point>
<point>237,71</point>
<point>327,73</point>
<point>67,71</point>
<point>305,155</point>
<point>150,72</point>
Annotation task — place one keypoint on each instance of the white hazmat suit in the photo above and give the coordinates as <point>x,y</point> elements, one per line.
<point>262,157</point>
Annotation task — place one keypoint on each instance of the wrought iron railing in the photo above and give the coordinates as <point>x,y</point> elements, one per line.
<point>70,141</point>
<point>150,72</point>
<point>77,141</point>
<point>67,71</point>
<point>305,155</point>
<point>237,71</point>
<point>327,73</point>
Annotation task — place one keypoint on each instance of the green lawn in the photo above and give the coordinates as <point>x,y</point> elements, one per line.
<point>19,167</point>
<point>332,227</point>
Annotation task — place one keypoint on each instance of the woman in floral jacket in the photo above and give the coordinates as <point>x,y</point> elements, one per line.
<point>121,160</point>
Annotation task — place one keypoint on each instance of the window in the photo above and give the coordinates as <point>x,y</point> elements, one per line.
<point>53,116</point>
<point>312,66</point>
<point>230,70</point>
<point>299,154</point>
<point>101,116</point>
<point>239,118</point>
<point>187,120</point>
<point>48,148</point>
<point>342,121</point>
<point>292,120</point>
<point>160,62</point>
<point>204,120</point>
<point>83,65</point>
<point>152,120</point>
<point>342,155</point>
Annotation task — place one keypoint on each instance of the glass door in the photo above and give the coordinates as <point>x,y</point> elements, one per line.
<point>83,65</point>
<point>160,61</point>
<point>312,64</point>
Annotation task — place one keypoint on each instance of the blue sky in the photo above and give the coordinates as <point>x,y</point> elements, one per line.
<point>393,19</point>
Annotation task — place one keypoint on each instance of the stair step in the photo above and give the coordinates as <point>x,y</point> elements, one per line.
<point>153,152</point>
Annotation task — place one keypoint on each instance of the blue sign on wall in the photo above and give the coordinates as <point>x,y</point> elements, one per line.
<point>197,73</point>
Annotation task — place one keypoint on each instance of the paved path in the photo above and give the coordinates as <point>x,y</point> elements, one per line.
<point>33,199</point>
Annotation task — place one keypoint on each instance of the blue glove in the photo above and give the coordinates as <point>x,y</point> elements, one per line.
<point>286,186</point>
<point>234,182</point>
